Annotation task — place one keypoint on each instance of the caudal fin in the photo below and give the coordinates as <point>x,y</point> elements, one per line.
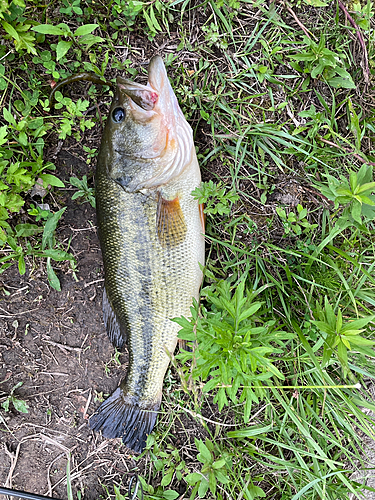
<point>118,417</point>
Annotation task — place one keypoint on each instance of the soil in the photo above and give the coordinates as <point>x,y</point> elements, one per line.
<point>55,344</point>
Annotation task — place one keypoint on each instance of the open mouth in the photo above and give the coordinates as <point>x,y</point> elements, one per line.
<point>144,96</point>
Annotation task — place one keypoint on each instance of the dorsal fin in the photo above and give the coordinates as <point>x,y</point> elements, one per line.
<point>116,333</point>
<point>170,222</point>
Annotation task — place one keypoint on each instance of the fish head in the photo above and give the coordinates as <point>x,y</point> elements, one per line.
<point>147,137</point>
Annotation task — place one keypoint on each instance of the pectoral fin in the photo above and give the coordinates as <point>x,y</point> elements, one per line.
<point>202,217</point>
<point>170,222</point>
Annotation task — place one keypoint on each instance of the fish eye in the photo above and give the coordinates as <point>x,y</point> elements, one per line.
<point>118,115</point>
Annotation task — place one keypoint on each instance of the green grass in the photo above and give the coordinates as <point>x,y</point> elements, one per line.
<point>285,130</point>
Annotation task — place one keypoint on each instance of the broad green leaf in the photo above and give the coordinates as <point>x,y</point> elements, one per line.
<point>167,478</point>
<point>20,405</point>
<point>357,324</point>
<point>5,404</point>
<point>50,29</point>
<point>90,40</point>
<point>212,482</point>
<point>220,477</point>
<point>218,464</point>
<point>22,138</point>
<point>57,255</point>
<point>49,229</point>
<point>357,340</point>
<point>9,117</point>
<point>203,487</point>
<point>256,491</point>
<point>352,332</point>
<point>365,174</point>
<point>303,57</point>
<point>52,180</point>
<point>316,3</point>
<point>85,29</point>
<point>52,278</point>
<point>343,83</point>
<point>3,134</point>
<point>75,182</point>
<point>324,327</point>
<point>211,384</point>
<point>193,478</point>
<point>318,69</point>
<point>356,211</point>
<point>62,48</point>
<point>11,30</point>
<point>353,181</point>
<point>204,452</point>
<point>250,311</point>
<point>370,186</point>
<point>21,265</point>
<point>26,230</point>
<point>170,495</point>
<point>367,201</point>
<point>345,341</point>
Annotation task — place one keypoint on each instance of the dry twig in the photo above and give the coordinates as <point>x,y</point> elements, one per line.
<point>347,150</point>
<point>365,69</point>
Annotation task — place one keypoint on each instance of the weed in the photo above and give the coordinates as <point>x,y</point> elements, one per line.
<point>73,110</point>
<point>215,198</point>
<point>342,335</point>
<point>211,472</point>
<point>83,190</point>
<point>296,223</point>
<point>354,195</point>
<point>232,351</point>
<point>19,404</point>
<point>82,36</point>
<point>72,8</point>
<point>320,61</point>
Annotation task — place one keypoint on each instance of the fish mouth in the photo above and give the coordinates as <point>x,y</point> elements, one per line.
<point>144,96</point>
<point>158,92</point>
<point>157,74</point>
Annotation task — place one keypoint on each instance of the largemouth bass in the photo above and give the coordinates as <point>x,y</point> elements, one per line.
<point>151,235</point>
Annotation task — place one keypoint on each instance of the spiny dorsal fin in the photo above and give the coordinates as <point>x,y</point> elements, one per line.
<point>170,222</point>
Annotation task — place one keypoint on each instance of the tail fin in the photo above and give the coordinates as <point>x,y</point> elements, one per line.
<point>119,417</point>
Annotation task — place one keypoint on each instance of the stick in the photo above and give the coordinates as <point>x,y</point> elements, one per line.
<point>366,71</point>
<point>330,143</point>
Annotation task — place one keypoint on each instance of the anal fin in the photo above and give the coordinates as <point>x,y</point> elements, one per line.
<point>116,333</point>
<point>170,222</point>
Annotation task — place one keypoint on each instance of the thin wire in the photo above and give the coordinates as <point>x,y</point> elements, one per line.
<point>137,485</point>
<point>23,494</point>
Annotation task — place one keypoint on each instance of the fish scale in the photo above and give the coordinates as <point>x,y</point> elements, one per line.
<point>151,235</point>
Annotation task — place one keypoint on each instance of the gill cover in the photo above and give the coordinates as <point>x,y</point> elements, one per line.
<point>153,143</point>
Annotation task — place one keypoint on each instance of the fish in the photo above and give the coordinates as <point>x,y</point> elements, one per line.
<point>151,232</point>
